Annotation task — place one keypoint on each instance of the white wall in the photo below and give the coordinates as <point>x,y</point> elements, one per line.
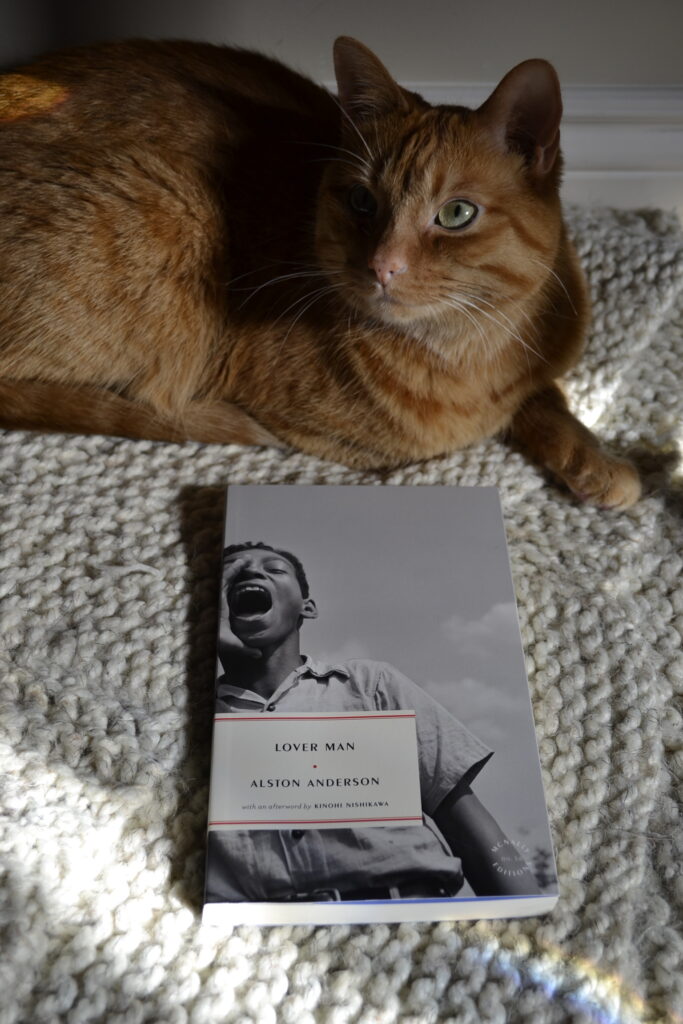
<point>477,40</point>
<point>590,41</point>
<point>620,63</point>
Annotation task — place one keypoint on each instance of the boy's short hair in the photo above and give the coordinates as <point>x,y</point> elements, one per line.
<point>249,545</point>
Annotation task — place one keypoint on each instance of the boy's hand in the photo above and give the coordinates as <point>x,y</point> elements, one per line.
<point>228,643</point>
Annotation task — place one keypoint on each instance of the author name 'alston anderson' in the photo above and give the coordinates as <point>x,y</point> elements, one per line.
<point>354,780</point>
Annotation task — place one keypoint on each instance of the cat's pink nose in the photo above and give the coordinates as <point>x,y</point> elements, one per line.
<point>387,267</point>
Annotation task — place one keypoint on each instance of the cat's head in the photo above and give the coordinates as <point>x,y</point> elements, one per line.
<point>430,216</point>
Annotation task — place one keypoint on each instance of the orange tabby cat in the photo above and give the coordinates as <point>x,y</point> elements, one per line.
<point>196,242</point>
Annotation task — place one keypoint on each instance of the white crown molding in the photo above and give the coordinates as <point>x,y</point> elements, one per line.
<point>604,128</point>
<point>583,104</point>
<point>625,189</point>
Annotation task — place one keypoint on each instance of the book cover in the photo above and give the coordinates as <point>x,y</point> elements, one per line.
<point>374,754</point>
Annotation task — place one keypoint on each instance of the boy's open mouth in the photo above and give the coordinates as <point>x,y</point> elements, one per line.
<point>250,599</point>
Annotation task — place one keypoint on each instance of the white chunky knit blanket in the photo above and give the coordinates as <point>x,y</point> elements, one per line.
<point>108,574</point>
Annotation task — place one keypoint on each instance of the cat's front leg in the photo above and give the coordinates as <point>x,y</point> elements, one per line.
<point>551,435</point>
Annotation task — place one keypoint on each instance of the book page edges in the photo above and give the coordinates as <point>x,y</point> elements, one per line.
<point>380,911</point>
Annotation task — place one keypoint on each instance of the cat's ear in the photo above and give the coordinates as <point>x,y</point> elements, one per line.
<point>365,87</point>
<point>524,114</point>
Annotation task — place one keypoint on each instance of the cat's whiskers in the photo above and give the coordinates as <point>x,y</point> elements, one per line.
<point>444,362</point>
<point>316,293</point>
<point>485,295</point>
<point>497,309</point>
<point>356,161</point>
<point>276,280</point>
<point>453,304</point>
<point>359,169</point>
<point>461,305</point>
<point>316,296</point>
<point>248,273</point>
<point>355,128</point>
<point>268,266</point>
<point>513,333</point>
<point>532,325</point>
<point>557,277</point>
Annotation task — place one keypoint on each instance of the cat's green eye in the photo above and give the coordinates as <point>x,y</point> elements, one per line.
<point>361,200</point>
<point>457,213</point>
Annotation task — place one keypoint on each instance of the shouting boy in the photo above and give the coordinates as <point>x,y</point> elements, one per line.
<point>266,600</point>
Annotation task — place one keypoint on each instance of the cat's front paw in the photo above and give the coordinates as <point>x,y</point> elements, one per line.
<point>602,479</point>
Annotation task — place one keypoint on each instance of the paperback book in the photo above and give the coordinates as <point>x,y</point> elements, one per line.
<point>374,755</point>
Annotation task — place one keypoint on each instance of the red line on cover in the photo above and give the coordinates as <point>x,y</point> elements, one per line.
<point>310,821</point>
<point>237,717</point>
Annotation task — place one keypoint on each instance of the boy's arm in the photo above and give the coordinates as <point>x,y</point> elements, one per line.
<point>490,861</point>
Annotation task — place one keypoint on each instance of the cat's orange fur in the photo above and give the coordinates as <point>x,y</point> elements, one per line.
<point>182,256</point>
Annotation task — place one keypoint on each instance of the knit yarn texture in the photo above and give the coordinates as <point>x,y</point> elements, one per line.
<point>109,560</point>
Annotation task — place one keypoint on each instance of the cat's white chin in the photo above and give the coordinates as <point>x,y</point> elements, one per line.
<point>413,316</point>
<point>396,313</point>
<point>391,308</point>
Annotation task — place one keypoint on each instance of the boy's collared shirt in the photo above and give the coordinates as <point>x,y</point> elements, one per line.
<point>261,865</point>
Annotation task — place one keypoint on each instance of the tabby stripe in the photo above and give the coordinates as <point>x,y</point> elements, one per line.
<point>525,235</point>
<point>408,151</point>
<point>425,405</point>
<point>498,270</point>
<point>407,180</point>
<point>440,129</point>
<point>384,377</point>
<point>497,396</point>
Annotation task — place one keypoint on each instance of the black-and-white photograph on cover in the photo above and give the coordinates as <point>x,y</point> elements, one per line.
<point>357,604</point>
